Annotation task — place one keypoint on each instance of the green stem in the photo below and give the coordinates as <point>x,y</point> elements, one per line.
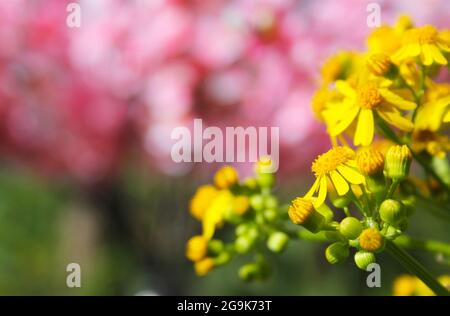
<point>392,189</point>
<point>416,268</point>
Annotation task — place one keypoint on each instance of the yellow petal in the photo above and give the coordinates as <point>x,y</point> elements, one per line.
<point>345,122</point>
<point>437,55</point>
<point>364,129</point>
<point>397,100</point>
<point>446,118</point>
<point>339,183</point>
<point>394,118</point>
<point>346,89</point>
<point>313,189</point>
<point>322,192</point>
<point>427,55</point>
<point>351,175</point>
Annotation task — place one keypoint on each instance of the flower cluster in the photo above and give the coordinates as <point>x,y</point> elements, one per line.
<point>383,108</point>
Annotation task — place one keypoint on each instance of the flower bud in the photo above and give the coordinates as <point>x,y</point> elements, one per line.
<point>223,258</point>
<point>204,266</point>
<point>371,240</point>
<point>379,64</point>
<point>398,161</point>
<point>243,244</point>
<point>196,248</point>
<point>226,177</point>
<point>215,246</point>
<point>265,180</point>
<point>392,211</point>
<point>270,214</point>
<point>350,227</point>
<point>326,212</point>
<point>371,163</point>
<point>254,271</point>
<point>241,204</point>
<point>302,212</point>
<point>270,201</point>
<point>364,258</point>
<point>336,253</point>
<point>257,202</point>
<point>277,241</point>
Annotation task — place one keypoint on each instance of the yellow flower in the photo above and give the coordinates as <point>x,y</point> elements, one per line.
<point>371,240</point>
<point>386,39</point>
<point>202,199</point>
<point>302,212</point>
<point>213,217</point>
<point>431,142</point>
<point>370,161</point>
<point>196,248</point>
<point>338,167</point>
<point>425,42</point>
<point>378,64</point>
<point>359,106</point>
<point>321,100</point>
<point>241,204</point>
<point>226,177</point>
<point>404,285</point>
<point>436,108</point>
<point>339,66</point>
<point>204,266</point>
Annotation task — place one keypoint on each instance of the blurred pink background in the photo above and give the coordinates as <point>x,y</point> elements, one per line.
<point>77,101</point>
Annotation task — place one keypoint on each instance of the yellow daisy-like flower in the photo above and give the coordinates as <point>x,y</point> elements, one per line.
<point>404,285</point>
<point>213,217</point>
<point>202,199</point>
<point>431,142</point>
<point>339,66</point>
<point>338,167</point>
<point>226,177</point>
<point>436,108</point>
<point>359,105</point>
<point>425,42</point>
<point>386,39</point>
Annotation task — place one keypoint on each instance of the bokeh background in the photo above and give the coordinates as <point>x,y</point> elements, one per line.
<point>85,121</point>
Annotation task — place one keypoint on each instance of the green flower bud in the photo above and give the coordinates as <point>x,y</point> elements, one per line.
<point>398,161</point>
<point>265,180</point>
<point>270,202</point>
<point>254,271</point>
<point>336,253</point>
<point>249,272</point>
<point>302,212</point>
<point>257,202</point>
<point>243,244</point>
<point>326,212</point>
<point>392,211</point>
<point>223,258</point>
<point>277,241</point>
<point>260,219</point>
<point>350,227</point>
<point>215,246</point>
<point>242,229</point>
<point>270,214</point>
<point>364,258</point>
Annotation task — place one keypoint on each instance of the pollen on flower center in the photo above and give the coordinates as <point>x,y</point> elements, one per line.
<point>422,35</point>
<point>368,96</point>
<point>330,160</point>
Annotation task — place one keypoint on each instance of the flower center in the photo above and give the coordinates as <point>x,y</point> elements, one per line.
<point>330,160</point>
<point>422,35</point>
<point>368,96</point>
